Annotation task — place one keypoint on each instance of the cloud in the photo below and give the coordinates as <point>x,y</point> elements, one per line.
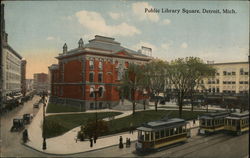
<point>67,17</point>
<point>114,16</point>
<point>166,45</point>
<point>139,10</point>
<point>166,22</point>
<point>94,22</point>
<point>50,38</point>
<point>184,45</point>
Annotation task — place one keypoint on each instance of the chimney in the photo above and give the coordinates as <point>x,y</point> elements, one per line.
<point>80,43</point>
<point>65,48</point>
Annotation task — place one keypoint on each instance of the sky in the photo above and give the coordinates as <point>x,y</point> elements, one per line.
<point>37,30</point>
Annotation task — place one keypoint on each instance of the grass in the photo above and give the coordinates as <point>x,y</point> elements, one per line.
<point>59,124</point>
<point>123,124</point>
<point>57,108</point>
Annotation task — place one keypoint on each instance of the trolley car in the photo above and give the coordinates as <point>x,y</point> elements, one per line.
<point>237,123</point>
<point>154,135</point>
<point>212,122</point>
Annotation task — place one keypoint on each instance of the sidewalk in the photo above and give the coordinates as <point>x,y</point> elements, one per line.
<point>66,143</point>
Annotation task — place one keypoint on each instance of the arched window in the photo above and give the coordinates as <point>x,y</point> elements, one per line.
<point>91,92</point>
<point>91,65</point>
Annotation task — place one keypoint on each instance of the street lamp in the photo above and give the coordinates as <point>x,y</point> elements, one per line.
<point>97,92</point>
<point>44,138</point>
<point>144,100</point>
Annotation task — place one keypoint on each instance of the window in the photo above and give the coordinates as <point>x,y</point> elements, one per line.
<point>100,65</point>
<point>217,81</point>
<point>224,73</point>
<point>91,92</point>
<point>224,82</point>
<point>233,82</point>
<point>241,71</point>
<point>100,105</point>
<point>91,105</point>
<point>167,132</point>
<point>91,65</point>
<point>99,77</point>
<point>246,82</point>
<point>157,136</point>
<point>233,73</point>
<point>246,73</point>
<point>162,133</point>
<point>100,91</point>
<point>217,73</point>
<point>241,82</point>
<point>91,77</point>
<point>218,90</point>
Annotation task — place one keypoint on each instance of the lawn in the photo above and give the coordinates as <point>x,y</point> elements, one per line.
<point>59,124</point>
<point>123,124</point>
<point>57,108</point>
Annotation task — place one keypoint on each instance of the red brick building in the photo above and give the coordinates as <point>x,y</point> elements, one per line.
<point>99,64</point>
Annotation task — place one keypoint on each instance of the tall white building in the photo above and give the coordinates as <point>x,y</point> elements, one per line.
<point>231,77</point>
<point>10,67</point>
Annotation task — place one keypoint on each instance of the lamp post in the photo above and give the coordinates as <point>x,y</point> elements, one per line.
<point>96,91</point>
<point>44,138</point>
<point>144,100</point>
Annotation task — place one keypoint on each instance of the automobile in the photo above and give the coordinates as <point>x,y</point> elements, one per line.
<point>36,105</point>
<point>18,125</point>
<point>27,118</point>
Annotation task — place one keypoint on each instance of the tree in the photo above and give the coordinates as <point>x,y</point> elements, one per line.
<point>132,82</point>
<point>155,78</point>
<point>92,129</point>
<point>185,75</point>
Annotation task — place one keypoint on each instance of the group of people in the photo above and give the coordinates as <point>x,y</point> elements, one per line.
<point>128,142</point>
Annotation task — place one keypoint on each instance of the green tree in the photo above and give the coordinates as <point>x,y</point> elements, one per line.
<point>185,75</point>
<point>93,128</point>
<point>132,82</point>
<point>155,73</point>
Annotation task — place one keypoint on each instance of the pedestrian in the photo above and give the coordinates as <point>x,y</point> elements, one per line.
<point>126,142</point>
<point>193,121</point>
<point>91,142</point>
<point>120,143</point>
<point>95,138</point>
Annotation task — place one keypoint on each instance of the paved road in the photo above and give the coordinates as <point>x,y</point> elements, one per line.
<point>219,145</point>
<point>11,141</point>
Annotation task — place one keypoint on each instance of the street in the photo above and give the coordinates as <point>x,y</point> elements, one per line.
<point>11,141</point>
<point>217,145</point>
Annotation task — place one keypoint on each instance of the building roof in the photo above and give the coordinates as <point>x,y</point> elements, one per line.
<point>53,66</point>
<point>103,44</point>
<point>238,114</point>
<point>13,51</point>
<point>231,63</point>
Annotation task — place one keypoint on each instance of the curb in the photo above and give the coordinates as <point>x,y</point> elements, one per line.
<point>71,153</point>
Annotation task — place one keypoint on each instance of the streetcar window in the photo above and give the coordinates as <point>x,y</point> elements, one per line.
<point>209,122</point>
<point>175,131</point>
<point>157,135</point>
<point>167,132</point>
<point>147,136</point>
<point>180,129</point>
<point>152,136</point>
<point>233,122</point>
<point>203,122</point>
<point>184,128</point>
<point>162,133</point>
<point>171,131</point>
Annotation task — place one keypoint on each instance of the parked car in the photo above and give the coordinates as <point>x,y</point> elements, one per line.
<point>27,118</point>
<point>18,125</point>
